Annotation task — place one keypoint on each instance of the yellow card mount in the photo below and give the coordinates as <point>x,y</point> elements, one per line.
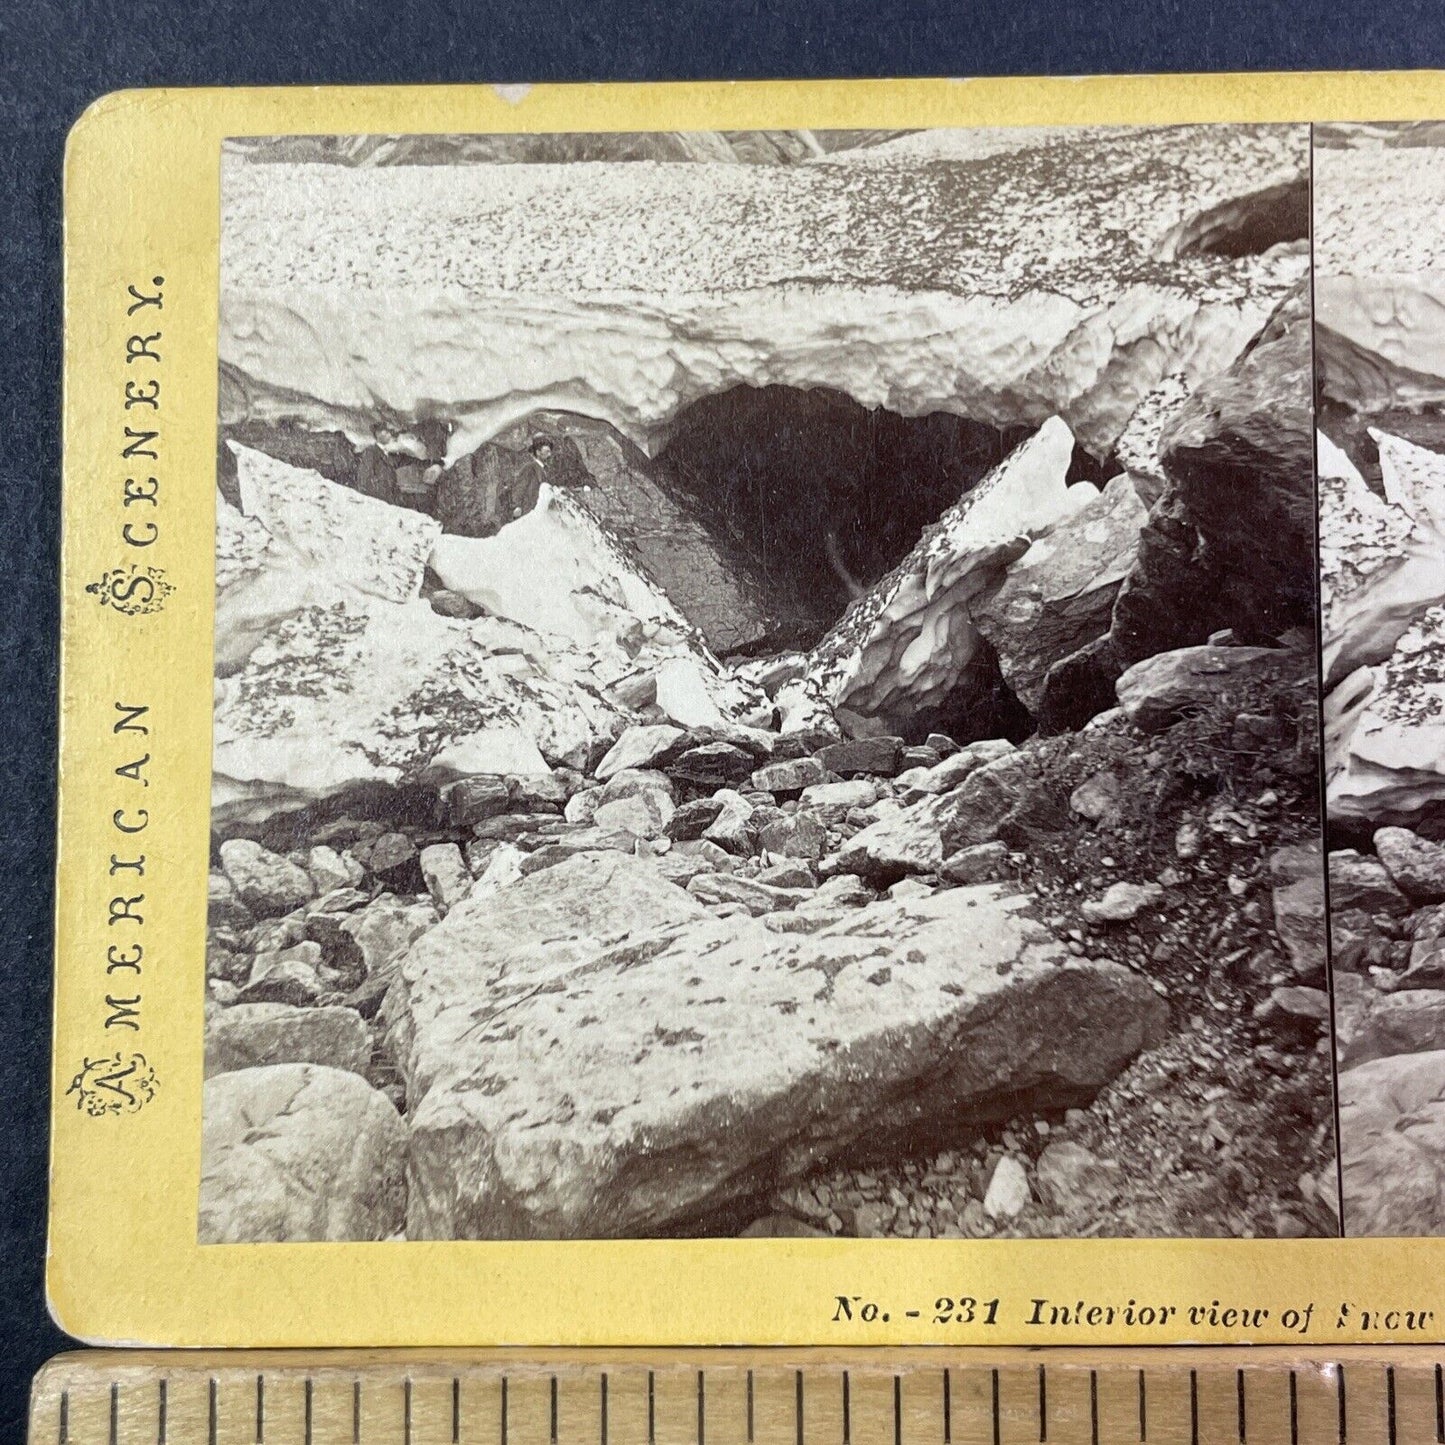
<point>1264,1396</point>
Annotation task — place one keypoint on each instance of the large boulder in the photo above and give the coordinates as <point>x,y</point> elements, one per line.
<point>701,570</point>
<point>364,692</point>
<point>265,882</point>
<point>590,1056</point>
<point>1163,688</point>
<point>1382,559</point>
<point>299,1154</point>
<point>1392,1145</point>
<point>1240,453</point>
<point>296,539</point>
<point>905,840</point>
<point>1415,864</point>
<point>1385,735</point>
<point>250,1035</point>
<point>555,570</point>
<point>902,648</point>
<point>1060,594</point>
<point>1239,458</point>
<point>376,548</point>
<point>1374,1025</point>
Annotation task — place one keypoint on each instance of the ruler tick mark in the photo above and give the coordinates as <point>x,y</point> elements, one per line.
<point>1293,1409</point>
<point>798,1406</point>
<point>504,1410</point>
<point>1390,1402</point>
<point>260,1409</point>
<point>1239,1403</point>
<point>651,1411</point>
<point>1340,1397</point>
<point>161,1415</point>
<point>898,1410</point>
<point>65,1417</point>
<point>308,1396</point>
<point>1143,1408</point>
<point>1043,1405</point>
<point>997,1426</point>
<point>211,1412</point>
<point>406,1412</point>
<point>847,1412</point>
<point>1094,1406</point>
<point>457,1409</point>
<point>356,1413</point>
<point>553,1406</point>
<point>701,1409</point>
<point>947,1408</point>
<point>114,1413</point>
<point>1194,1407</point>
<point>750,1407</point>
<point>1439,1404</point>
<point>602,1394</point>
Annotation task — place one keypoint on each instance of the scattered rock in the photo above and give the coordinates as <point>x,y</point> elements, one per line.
<point>1099,798</point>
<point>639,747</point>
<point>952,771</point>
<point>908,841</point>
<point>1159,690</point>
<point>1123,902</point>
<point>1059,595</point>
<point>757,897</point>
<point>265,882</point>
<point>1299,916</point>
<point>223,908</point>
<point>789,779</point>
<point>1392,1145</point>
<point>288,975</point>
<point>393,859</point>
<point>448,879</point>
<point>729,830</point>
<point>1008,1190</point>
<point>1415,865</point>
<point>875,756</point>
<point>712,765</point>
<point>799,835</point>
<point>1295,1011</point>
<point>645,813</point>
<point>1357,881</point>
<point>251,1035</point>
<point>472,800</point>
<point>1072,1180</point>
<point>983,863</point>
<point>299,1153</point>
<point>329,871</point>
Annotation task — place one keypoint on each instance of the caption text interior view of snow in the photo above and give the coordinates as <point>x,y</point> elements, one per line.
<point>767,685</point>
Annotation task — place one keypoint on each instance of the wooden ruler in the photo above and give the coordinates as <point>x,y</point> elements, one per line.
<point>932,1396</point>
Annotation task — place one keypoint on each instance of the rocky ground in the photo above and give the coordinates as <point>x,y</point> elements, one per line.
<point>1191,884</point>
<point>553,897</point>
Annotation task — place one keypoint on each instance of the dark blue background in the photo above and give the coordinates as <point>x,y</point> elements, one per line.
<point>56,57</point>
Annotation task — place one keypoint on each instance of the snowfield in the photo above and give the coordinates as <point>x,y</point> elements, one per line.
<point>903,275</point>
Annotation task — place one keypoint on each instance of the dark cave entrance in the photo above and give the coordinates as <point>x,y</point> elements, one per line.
<point>1248,225</point>
<point>822,495</point>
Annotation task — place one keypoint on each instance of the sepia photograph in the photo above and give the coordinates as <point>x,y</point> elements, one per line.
<point>767,684</point>
<point>1380,387</point>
